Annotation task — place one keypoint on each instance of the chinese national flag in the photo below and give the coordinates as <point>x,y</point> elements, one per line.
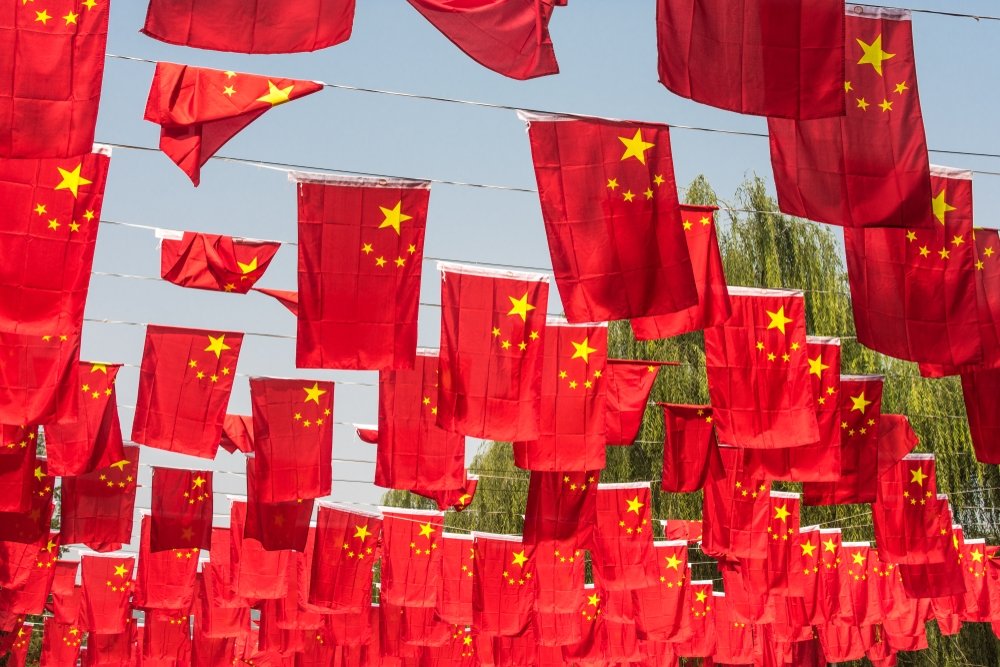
<point>164,579</point>
<point>166,638</point>
<point>214,619</point>
<point>976,555</point>
<point>454,600</point>
<point>361,247</point>
<point>491,358</point>
<point>411,560</point>
<point>111,650</point>
<point>266,26</point>
<point>981,391</point>
<point>456,499</point>
<point>907,514</point>
<point>15,473</point>
<point>936,580</point>
<point>612,218</point>
<point>511,38</point>
<point>760,57</point>
<point>758,372</point>
<point>413,452</point>
<point>913,291</point>
<point>561,507</point>
<point>53,208</point>
<point>97,507</point>
<point>107,587</point>
<point>560,569</point>
<point>29,592</point>
<point>212,261</point>
<point>701,614</point>
<point>572,428</point>
<point>346,547</point>
<point>713,306</point>
<point>54,59</point>
<point>734,640</point>
<point>20,642</point>
<point>766,575</point>
<point>503,586</point>
<point>181,509</point>
<point>735,511</point>
<point>868,168</point>
<point>277,526</point>
<point>629,384</point>
<point>860,412</point>
<point>17,561</point>
<point>293,438</point>
<point>660,607</point>
<point>32,523</point>
<point>237,434</point>
<point>623,536</point>
<point>61,643</point>
<point>184,386</point>
<point>688,447</point>
<point>254,573</point>
<point>200,109</point>
<point>94,439</point>
<point>67,596</point>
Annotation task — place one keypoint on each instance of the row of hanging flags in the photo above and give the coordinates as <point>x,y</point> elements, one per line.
<point>848,149</point>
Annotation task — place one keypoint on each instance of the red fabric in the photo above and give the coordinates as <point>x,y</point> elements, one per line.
<point>572,427</point>
<point>870,167</point>
<point>164,579</point>
<point>60,643</point>
<point>214,620</point>
<point>15,477</point>
<point>94,438</point>
<point>713,306</point>
<point>181,509</point>
<point>767,574</point>
<point>913,291</point>
<point>97,507</point>
<point>764,57</point>
<point>286,298</point>
<point>735,509</point>
<point>612,218</point>
<point>269,26</point>
<point>688,446</point>
<point>734,639</point>
<point>346,547</point>
<point>896,439</point>
<point>113,650</point>
<point>661,607</point>
<point>20,645</point>
<point>32,523</point>
<point>67,596</point>
<point>215,262</point>
<point>53,206</point>
<point>166,638</point>
<point>629,384</point>
<point>200,109</point>
<point>361,247</point>
<point>413,453</point>
<point>237,434</point>
<point>511,38</point>
<point>758,372</point>
<point>907,514</point>
<point>976,605</point>
<point>503,586</point>
<point>701,613</point>
<point>941,579</point>
<point>293,438</point>
<point>682,529</point>
<point>254,573</point>
<point>843,643</point>
<point>55,66</point>
<point>561,507</point>
<point>560,569</point>
<point>454,600</point>
<point>860,413</point>
<point>981,391</point>
<point>456,499</point>
<point>107,587</point>
<point>491,358</point>
<point>30,594</point>
<point>411,559</point>
<point>277,526</point>
<point>622,548</point>
<point>17,561</point>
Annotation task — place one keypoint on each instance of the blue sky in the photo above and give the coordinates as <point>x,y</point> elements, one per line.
<point>607,57</point>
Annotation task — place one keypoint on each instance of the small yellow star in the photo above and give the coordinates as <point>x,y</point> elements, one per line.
<point>924,251</point>
<point>53,224</point>
<point>228,91</point>
<point>862,104</point>
<point>885,105</point>
<point>911,235</point>
<point>612,183</point>
<point>901,86</point>
<point>71,18</point>
<point>944,253</point>
<point>42,17</point>
<point>380,261</point>
<point>40,209</point>
<point>628,195</point>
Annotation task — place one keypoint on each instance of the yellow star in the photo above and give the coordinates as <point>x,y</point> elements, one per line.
<point>648,193</point>
<point>217,344</point>
<point>807,548</point>
<point>400,262</point>
<point>275,95</point>
<point>520,558</point>
<point>673,562</point>
<point>72,180</point>
<point>229,74</point>
<point>42,17</point>
<point>248,268</point>
<point>628,195</point>
<point>858,558</point>
<point>38,473</point>
<point>945,253</point>
<point>361,532</point>
<point>957,240</point>
<point>687,225</point>
<point>520,307</point>
<point>380,261</point>
<point>816,366</point>
<point>980,265</point>
<point>941,207</point>
<point>71,18</point>
<point>924,251</point>
<point>120,464</point>
<point>848,87</point>
<point>394,216</point>
<point>89,4</point>
<point>426,530</point>
<point>917,476</point>
<point>120,570</point>
<point>977,556</point>
<point>782,513</point>
<point>863,104</point>
<point>635,147</point>
<point>700,596</point>
<point>911,236</point>
<point>634,505</point>
<point>901,86</point>
<point>198,481</point>
<point>464,499</point>
<point>593,600</point>
<point>873,54</point>
<point>228,91</point>
<point>658,179</point>
<point>582,350</point>
<point>88,215</point>
<point>40,209</point>
<point>859,403</point>
<point>74,226</point>
<point>830,546</point>
<point>313,393</point>
<point>53,224</point>
<point>778,319</point>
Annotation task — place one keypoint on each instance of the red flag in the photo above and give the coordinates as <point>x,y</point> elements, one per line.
<point>32,523</point>
<point>276,526</point>
<point>166,638</point>
<point>765,575</point>
<point>269,26</point>
<point>361,247</point>
<point>454,600</point>
<point>254,573</point>
<point>907,516</point>
<point>67,596</point>
<point>688,446</point>
<point>17,560</point>
<point>682,529</point>
<point>53,207</point>
<point>293,438</point>
<point>572,428</point>
<point>981,391</point>
<point>735,510</point>
<point>561,507</point>
<point>491,358</point>
<point>560,569</point>
<point>504,585</point>
<point>212,261</point>
<point>15,474</point>
<point>868,168</point>
<point>860,412</point>
<point>913,291</point>
<point>510,38</point>
<point>60,643</point>
<point>29,594</point>
<point>164,579</point>
<point>758,372</point>
<point>455,499</point>
<point>701,618</point>
<point>629,384</point>
<point>94,439</point>
<point>181,509</point>
<point>97,507</point>
<point>346,547</point>
<point>200,109</point>
<point>413,453</point>
<point>107,586</point>
<point>623,536</point>
<point>20,645</point>
<point>286,298</point>
<point>612,218</point>
<point>734,640</point>
<point>935,580</point>
<point>111,650</point>
<point>368,433</point>
<point>237,434</point>
<point>766,58</point>
<point>975,554</point>
<point>411,560</point>
<point>55,65</point>
<point>214,619</point>
<point>660,608</point>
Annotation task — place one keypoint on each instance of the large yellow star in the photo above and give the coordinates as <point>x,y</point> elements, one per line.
<point>635,147</point>
<point>673,562</point>
<point>940,207</point>
<point>593,600</point>
<point>858,558</point>
<point>120,570</point>
<point>701,596</point>
<point>313,393</point>
<point>217,344</point>
<point>394,216</point>
<point>520,558</point>
<point>873,54</point>
<point>816,366</point>
<point>830,546</point>
<point>634,505</point>
<point>72,180</point>
<point>99,368</point>
<point>778,319</point>
<point>582,350</point>
<point>781,513</point>
<point>520,307</point>
<point>977,556</point>
<point>808,548</point>
<point>917,475</point>
<point>361,532</point>
<point>426,530</point>
<point>275,95</point>
<point>248,268</point>
<point>860,403</point>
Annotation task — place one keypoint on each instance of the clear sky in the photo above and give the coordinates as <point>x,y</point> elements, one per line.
<point>607,56</point>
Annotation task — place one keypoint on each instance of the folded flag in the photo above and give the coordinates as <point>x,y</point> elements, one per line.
<point>286,298</point>
<point>16,467</point>
<point>107,587</point>
<point>61,642</point>
<point>623,536</point>
<point>561,507</point>
<point>200,109</point>
<point>237,434</point>
<point>559,569</point>
<point>97,508</point>
<point>629,384</point>
<point>212,261</point>
<point>181,509</point>
<point>688,447</point>
<point>277,526</point>
<point>455,499</point>
<point>735,508</point>
<point>254,573</point>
